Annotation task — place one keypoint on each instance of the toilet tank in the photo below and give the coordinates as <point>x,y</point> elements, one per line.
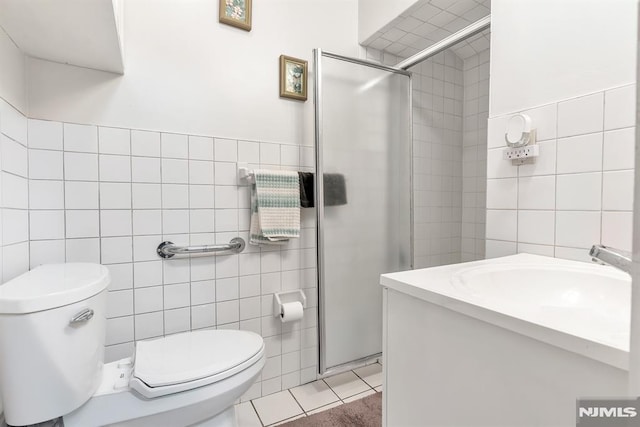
<point>52,334</point>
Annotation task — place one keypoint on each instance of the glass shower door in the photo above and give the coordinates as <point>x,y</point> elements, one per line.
<point>363,201</point>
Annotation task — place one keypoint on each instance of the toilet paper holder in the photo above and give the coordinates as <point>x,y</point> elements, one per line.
<point>280,298</point>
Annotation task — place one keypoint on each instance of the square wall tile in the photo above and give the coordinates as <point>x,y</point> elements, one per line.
<point>175,171</point>
<point>15,226</point>
<point>579,191</point>
<point>81,195</point>
<point>116,250</point>
<point>147,274</point>
<point>82,223</point>
<point>119,330</point>
<point>115,195</point>
<point>498,248</point>
<point>176,296</point>
<point>174,146</point>
<point>15,192</point>
<point>502,193</point>
<point>83,250</point>
<point>617,191</point>
<point>145,169</point>
<point>147,196</point>
<point>114,141</point>
<point>617,230</point>
<point>619,149</point>
<point>249,152</point>
<point>581,115</point>
<point>577,229</point>
<point>115,168</point>
<point>45,164</point>
<point>226,150</point>
<point>80,167</point>
<point>43,225</point>
<point>148,299</point>
<point>15,157</point>
<point>177,320</point>
<point>121,276</point>
<point>45,134</point>
<point>580,154</point>
<point>620,107</point>
<point>537,192</point>
<point>46,252</point>
<point>497,167</point>
<point>119,303</point>
<point>81,138</point>
<point>144,143</point>
<point>203,316</point>
<point>115,223</point>
<point>147,222</point>
<point>502,224</point>
<point>149,325</point>
<point>200,148</point>
<point>537,227</point>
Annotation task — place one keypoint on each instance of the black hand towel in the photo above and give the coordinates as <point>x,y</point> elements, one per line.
<point>306,189</point>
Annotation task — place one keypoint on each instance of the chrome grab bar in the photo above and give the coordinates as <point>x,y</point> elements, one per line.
<point>614,257</point>
<point>169,249</point>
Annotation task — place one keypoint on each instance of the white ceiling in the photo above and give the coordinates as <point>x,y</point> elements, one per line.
<point>429,21</point>
<point>78,32</point>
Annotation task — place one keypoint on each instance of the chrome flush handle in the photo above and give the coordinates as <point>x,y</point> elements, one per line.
<point>83,316</point>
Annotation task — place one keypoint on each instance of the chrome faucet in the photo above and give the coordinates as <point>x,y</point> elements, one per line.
<point>610,256</point>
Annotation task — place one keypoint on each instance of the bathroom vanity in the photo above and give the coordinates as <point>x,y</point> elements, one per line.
<point>512,341</point>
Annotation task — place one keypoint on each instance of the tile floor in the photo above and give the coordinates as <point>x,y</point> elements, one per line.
<point>310,398</point>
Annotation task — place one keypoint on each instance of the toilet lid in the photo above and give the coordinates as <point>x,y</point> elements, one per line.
<point>190,356</point>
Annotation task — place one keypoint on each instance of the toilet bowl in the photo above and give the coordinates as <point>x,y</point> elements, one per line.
<point>52,332</point>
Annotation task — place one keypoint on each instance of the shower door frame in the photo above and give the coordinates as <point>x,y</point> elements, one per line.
<point>318,53</point>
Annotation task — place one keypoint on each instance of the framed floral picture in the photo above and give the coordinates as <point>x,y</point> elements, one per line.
<point>293,78</point>
<point>236,13</point>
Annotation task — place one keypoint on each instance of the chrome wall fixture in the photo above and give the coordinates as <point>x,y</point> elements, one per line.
<point>169,249</point>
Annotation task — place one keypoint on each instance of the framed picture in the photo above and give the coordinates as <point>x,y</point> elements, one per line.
<point>293,78</point>
<point>236,13</point>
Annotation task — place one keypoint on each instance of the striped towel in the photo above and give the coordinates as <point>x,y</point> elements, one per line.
<point>275,207</point>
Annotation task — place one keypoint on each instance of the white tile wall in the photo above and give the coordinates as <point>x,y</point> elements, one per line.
<point>474,156</point>
<point>438,160</point>
<point>580,190</point>
<point>107,195</point>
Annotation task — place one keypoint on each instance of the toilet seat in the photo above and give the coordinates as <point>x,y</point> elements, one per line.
<point>194,359</point>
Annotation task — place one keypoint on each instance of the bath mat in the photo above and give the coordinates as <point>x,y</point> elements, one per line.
<point>365,412</point>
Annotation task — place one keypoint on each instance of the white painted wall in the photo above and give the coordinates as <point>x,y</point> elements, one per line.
<point>545,51</point>
<point>187,73</point>
<point>12,76</point>
<point>375,14</point>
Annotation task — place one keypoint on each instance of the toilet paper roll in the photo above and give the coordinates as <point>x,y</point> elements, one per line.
<point>291,311</point>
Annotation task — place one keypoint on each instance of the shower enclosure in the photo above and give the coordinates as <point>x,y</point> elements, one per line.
<point>363,202</point>
<point>403,161</point>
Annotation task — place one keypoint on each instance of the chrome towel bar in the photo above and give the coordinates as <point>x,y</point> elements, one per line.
<point>169,249</point>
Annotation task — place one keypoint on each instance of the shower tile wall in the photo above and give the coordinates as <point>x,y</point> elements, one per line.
<point>110,196</point>
<point>474,155</point>
<point>578,192</point>
<point>438,159</point>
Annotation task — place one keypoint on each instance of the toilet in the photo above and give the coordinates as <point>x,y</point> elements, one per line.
<point>52,336</point>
